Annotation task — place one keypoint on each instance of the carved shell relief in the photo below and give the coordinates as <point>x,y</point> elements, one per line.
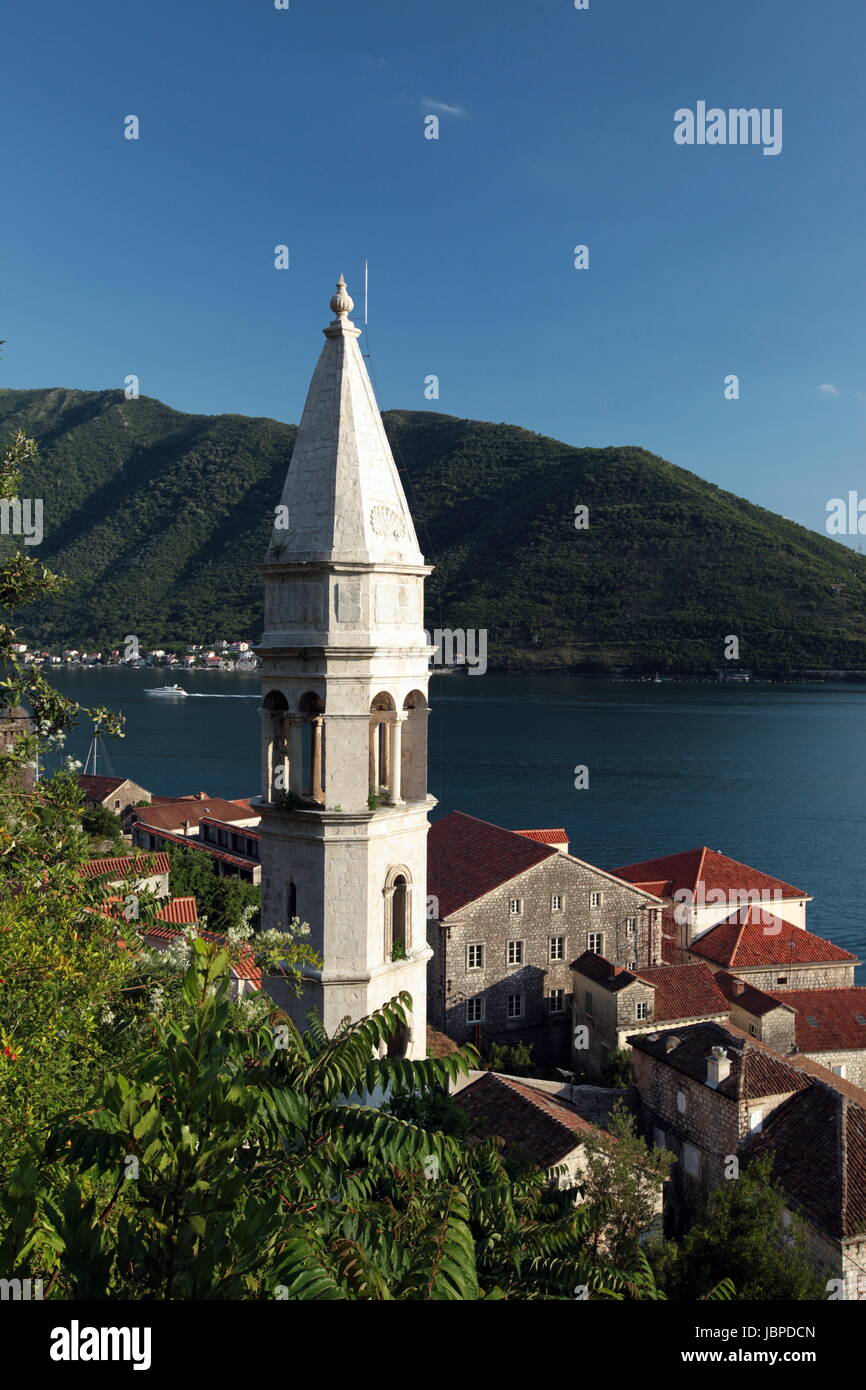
<point>387,523</point>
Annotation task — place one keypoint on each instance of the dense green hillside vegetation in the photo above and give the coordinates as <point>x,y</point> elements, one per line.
<point>159,520</point>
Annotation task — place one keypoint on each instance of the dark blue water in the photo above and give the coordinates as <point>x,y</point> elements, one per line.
<point>772,775</point>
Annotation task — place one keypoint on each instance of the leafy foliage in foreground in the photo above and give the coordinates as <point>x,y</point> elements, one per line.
<point>237,1159</point>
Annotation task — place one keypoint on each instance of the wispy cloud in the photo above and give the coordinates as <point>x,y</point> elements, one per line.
<point>828,390</point>
<point>443,106</point>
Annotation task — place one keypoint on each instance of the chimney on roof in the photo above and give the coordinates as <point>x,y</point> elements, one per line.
<point>671,1042</point>
<point>718,1067</point>
<point>739,987</point>
<point>186,827</point>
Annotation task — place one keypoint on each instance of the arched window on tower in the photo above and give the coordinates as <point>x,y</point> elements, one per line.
<point>398,914</point>
<point>312,708</point>
<point>414,747</point>
<point>275,745</point>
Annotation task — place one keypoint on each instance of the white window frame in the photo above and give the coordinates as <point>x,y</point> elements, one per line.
<point>756,1120</point>
<point>479,1000</point>
<point>596,900</point>
<point>595,936</point>
<point>550,948</point>
<point>521,952</point>
<point>838,1069</point>
<point>556,902</point>
<point>642,1010</point>
<point>515,907</point>
<point>518,995</point>
<point>475,946</point>
<point>556,996</point>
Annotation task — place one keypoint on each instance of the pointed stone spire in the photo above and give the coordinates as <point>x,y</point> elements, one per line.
<point>343,497</point>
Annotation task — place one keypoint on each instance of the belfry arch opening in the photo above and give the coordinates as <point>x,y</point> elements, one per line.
<point>383,713</point>
<point>311,710</point>
<point>276,751</point>
<point>413,747</point>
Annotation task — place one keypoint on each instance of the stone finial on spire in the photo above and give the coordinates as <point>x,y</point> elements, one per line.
<point>342,302</point>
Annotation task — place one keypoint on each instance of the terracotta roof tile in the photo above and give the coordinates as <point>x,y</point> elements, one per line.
<point>183,911</point>
<point>171,815</point>
<point>827,1019</point>
<point>467,858</point>
<point>97,788</point>
<point>681,991</point>
<point>136,865</point>
<point>817,1140</point>
<point>544,1127</point>
<point>755,1069</point>
<point>757,938</point>
<point>736,991</point>
<point>545,837</point>
<point>709,868</point>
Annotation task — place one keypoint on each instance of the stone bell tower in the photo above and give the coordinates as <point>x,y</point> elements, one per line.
<point>344,657</point>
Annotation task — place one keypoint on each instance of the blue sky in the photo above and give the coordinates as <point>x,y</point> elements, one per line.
<point>306,127</point>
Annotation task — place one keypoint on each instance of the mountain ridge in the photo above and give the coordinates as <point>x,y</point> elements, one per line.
<point>159,517</point>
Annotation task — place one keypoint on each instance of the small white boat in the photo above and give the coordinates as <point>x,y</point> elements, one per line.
<point>176,690</point>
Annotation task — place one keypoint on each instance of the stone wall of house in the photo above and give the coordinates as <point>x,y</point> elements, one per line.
<point>854,1063</point>
<point>775,1028</point>
<point>603,1013</point>
<point>790,977</point>
<point>490,923</point>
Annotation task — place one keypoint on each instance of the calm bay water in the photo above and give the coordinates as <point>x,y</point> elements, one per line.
<point>772,775</point>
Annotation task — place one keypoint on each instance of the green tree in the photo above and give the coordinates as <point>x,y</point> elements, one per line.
<point>740,1234</point>
<point>101,823</point>
<point>625,1176</point>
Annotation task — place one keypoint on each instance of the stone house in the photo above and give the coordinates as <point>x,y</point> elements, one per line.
<point>773,954</point>
<point>134,873</point>
<point>534,1124</point>
<point>716,1097</point>
<point>828,1025</point>
<point>507,914</point>
<point>761,1015</point>
<point>702,887</point>
<point>610,1003</point>
<point>117,794</point>
<point>817,1140</point>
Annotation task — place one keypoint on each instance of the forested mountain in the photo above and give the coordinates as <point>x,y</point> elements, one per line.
<point>159,520</point>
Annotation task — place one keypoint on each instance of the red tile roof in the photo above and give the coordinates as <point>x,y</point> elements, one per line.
<point>467,858</point>
<point>681,991</point>
<point>98,788</point>
<point>755,1069</point>
<point>171,815</point>
<point>545,837</point>
<point>817,1140</point>
<point>684,991</point>
<point>749,997</point>
<point>828,1020</point>
<point>137,865</point>
<point>762,939</point>
<point>542,1126</point>
<point>183,911</point>
<point>709,868</point>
